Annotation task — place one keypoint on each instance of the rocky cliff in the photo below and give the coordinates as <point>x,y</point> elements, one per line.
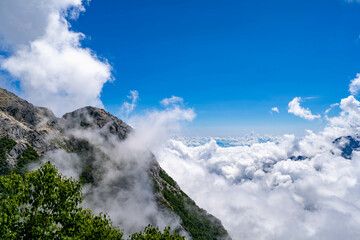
<point>28,133</point>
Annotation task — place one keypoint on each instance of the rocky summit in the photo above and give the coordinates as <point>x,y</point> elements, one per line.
<point>29,134</point>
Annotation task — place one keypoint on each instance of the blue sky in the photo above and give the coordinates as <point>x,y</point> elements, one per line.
<point>232,61</point>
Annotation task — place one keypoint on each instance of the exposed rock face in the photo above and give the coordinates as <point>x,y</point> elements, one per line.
<point>23,122</point>
<point>14,154</point>
<point>38,127</point>
<point>347,145</point>
<point>22,110</point>
<point>90,117</point>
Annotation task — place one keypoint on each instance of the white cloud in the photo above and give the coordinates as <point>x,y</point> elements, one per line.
<point>53,69</point>
<point>274,109</point>
<point>295,108</point>
<point>355,85</point>
<point>331,107</point>
<point>309,98</point>
<point>23,21</point>
<point>298,188</point>
<point>158,125</point>
<point>173,100</point>
<point>128,107</point>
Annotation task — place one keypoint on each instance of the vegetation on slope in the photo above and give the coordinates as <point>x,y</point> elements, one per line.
<point>197,222</point>
<point>27,156</point>
<point>153,233</point>
<point>6,144</point>
<point>43,204</point>
<point>167,178</point>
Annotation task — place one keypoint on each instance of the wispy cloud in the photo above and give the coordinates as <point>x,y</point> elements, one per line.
<point>172,100</point>
<point>128,107</point>
<point>295,108</point>
<point>274,109</point>
<point>331,107</point>
<point>310,98</point>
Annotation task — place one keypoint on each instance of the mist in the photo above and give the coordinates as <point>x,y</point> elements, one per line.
<point>122,186</point>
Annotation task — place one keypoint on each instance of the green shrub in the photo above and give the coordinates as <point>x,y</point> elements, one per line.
<point>29,155</point>
<point>6,144</point>
<point>153,233</point>
<point>43,204</point>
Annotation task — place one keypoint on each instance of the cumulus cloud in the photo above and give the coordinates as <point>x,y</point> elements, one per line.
<point>172,100</point>
<point>23,21</point>
<point>298,188</point>
<point>47,58</point>
<point>128,107</point>
<point>274,109</point>
<point>295,108</point>
<point>355,85</point>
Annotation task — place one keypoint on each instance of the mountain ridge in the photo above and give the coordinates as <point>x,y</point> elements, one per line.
<point>37,128</point>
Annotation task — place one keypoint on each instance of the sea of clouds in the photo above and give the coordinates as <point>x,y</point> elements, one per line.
<point>282,188</point>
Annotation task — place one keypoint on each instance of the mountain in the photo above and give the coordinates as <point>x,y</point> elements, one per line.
<point>347,144</point>
<point>119,176</point>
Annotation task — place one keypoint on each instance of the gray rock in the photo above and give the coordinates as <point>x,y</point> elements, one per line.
<point>14,155</point>
<point>91,117</point>
<point>22,110</point>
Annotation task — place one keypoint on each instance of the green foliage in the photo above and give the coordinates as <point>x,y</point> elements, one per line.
<point>86,175</point>
<point>152,233</point>
<point>167,178</point>
<point>29,155</point>
<point>196,221</point>
<point>45,205</point>
<point>6,144</point>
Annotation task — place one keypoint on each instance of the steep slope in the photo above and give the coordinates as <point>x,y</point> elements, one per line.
<point>94,136</point>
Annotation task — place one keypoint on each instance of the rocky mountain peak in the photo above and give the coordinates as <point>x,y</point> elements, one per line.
<point>91,117</point>
<point>23,111</point>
